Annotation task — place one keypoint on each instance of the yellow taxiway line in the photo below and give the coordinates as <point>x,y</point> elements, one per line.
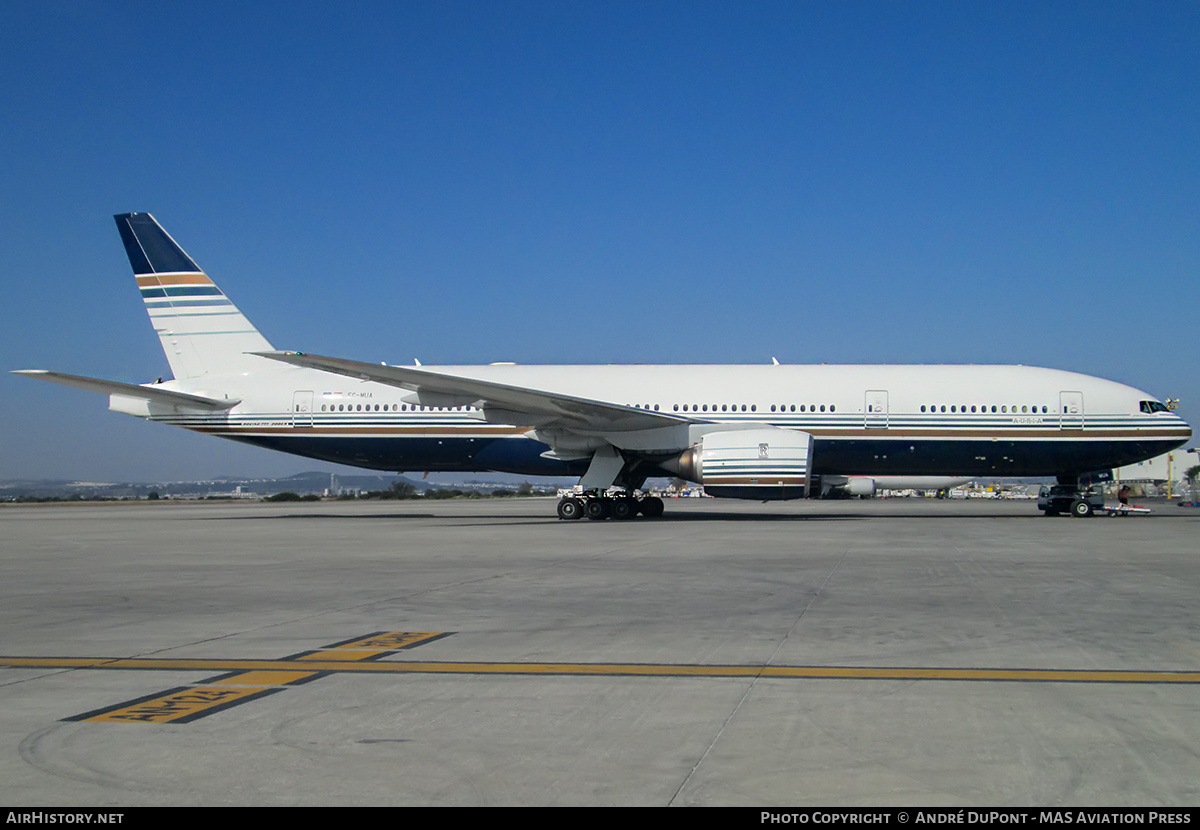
<point>308,664</point>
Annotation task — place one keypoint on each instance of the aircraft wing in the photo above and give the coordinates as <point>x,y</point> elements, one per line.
<point>130,390</point>
<point>500,402</point>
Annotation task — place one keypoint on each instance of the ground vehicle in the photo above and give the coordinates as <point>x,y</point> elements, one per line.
<point>1054,499</point>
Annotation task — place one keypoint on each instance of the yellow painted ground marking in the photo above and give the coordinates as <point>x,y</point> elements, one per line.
<point>243,680</point>
<point>175,706</point>
<point>390,640</point>
<point>343,654</point>
<point>635,669</point>
<point>373,645</point>
<point>264,678</point>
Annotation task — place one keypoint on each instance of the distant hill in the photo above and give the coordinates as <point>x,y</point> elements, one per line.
<point>222,486</point>
<point>235,486</point>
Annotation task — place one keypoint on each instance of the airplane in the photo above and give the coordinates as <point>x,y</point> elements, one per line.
<point>764,432</point>
<point>867,486</point>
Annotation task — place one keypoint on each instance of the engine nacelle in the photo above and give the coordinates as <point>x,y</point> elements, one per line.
<point>763,464</point>
<point>866,486</point>
<point>862,487</point>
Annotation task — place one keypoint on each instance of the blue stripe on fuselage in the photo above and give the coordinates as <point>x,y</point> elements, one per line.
<point>521,456</point>
<point>843,456</point>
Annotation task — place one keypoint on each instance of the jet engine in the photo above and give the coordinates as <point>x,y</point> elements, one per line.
<point>860,486</point>
<point>764,464</point>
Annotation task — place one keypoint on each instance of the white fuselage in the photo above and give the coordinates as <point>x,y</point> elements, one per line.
<point>865,419</point>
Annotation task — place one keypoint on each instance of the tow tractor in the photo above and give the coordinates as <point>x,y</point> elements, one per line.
<point>1055,499</point>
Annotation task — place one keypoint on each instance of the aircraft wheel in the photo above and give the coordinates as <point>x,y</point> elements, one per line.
<point>624,509</point>
<point>597,509</point>
<point>1080,509</point>
<point>570,509</point>
<point>652,507</point>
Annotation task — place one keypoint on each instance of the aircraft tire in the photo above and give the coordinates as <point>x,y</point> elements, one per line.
<point>1080,509</point>
<point>624,509</point>
<point>597,509</point>
<point>570,510</point>
<point>652,507</point>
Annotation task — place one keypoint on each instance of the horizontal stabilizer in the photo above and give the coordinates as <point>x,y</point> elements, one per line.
<point>550,408</point>
<point>153,394</point>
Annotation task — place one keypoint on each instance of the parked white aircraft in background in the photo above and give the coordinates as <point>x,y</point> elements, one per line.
<point>755,432</point>
<point>866,486</point>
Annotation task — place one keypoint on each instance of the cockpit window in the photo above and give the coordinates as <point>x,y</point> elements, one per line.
<point>1153,406</point>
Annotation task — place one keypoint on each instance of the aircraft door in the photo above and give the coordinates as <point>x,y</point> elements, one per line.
<point>875,409</point>
<point>302,404</point>
<point>1071,409</point>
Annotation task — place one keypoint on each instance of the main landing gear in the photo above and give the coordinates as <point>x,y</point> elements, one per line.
<point>597,507</point>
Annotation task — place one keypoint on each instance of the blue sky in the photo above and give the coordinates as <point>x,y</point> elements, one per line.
<point>575,182</point>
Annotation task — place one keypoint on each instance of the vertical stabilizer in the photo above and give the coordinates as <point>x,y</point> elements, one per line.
<point>202,332</point>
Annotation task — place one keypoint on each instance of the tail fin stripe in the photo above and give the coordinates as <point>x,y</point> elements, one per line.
<point>175,310</point>
<point>180,302</point>
<point>202,314</point>
<point>174,279</point>
<point>182,291</point>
